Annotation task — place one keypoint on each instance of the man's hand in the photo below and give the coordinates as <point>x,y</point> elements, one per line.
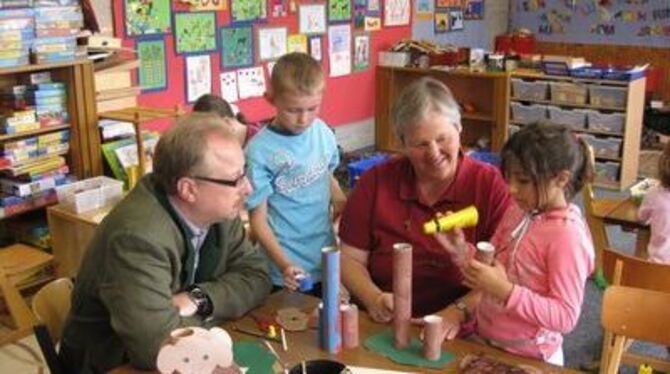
<point>290,273</point>
<point>381,308</point>
<point>184,304</point>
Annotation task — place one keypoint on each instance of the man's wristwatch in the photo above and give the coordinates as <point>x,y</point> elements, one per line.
<point>201,301</point>
<point>463,307</point>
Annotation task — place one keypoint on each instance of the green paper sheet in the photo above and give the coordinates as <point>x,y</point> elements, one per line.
<point>254,356</point>
<point>382,343</point>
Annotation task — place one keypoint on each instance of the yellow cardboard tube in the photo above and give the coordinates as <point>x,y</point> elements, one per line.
<point>467,217</point>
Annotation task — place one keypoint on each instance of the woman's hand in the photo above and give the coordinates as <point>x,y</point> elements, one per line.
<point>490,279</point>
<point>451,322</point>
<point>454,243</point>
<point>381,308</point>
<point>290,273</point>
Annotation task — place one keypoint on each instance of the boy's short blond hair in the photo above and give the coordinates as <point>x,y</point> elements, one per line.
<point>297,72</point>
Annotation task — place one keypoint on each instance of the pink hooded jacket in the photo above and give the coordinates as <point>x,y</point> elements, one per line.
<point>655,211</point>
<point>548,257</point>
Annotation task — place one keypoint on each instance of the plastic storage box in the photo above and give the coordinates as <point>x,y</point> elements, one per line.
<point>529,90</point>
<point>357,168</point>
<point>607,171</point>
<point>605,147</point>
<point>528,113</point>
<point>575,118</point>
<point>608,122</point>
<point>89,194</point>
<point>608,96</point>
<point>568,92</point>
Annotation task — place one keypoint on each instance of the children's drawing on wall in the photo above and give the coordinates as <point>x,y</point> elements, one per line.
<point>654,30</point>
<point>553,22</point>
<point>374,6</point>
<point>339,49</point>
<point>630,16</point>
<point>279,8</point>
<point>228,82</point>
<point>441,21</point>
<point>474,9</point>
<point>297,43</point>
<point>198,77</point>
<point>205,5</point>
<point>248,10</point>
<point>373,23</point>
<point>455,19</point>
<point>361,52</point>
<point>339,10</point>
<point>360,11</point>
<point>251,82</point>
<point>530,5</point>
<point>195,32</point>
<point>423,10</point>
<point>271,43</point>
<point>660,14</point>
<point>147,17</point>
<point>312,18</point>
<point>449,3</point>
<point>315,49</point>
<point>396,12</point>
<point>237,47</point>
<point>604,15</point>
<point>152,71</point>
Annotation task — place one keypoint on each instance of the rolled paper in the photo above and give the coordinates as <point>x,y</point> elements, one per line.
<point>485,253</point>
<point>306,283</point>
<point>432,337</point>
<point>463,218</point>
<point>330,257</point>
<point>402,294</point>
<point>349,326</point>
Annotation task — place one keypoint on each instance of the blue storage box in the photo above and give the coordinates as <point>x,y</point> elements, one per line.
<point>588,72</point>
<point>486,156</point>
<point>357,168</point>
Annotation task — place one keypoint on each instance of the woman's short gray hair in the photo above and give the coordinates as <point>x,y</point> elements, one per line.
<point>420,98</point>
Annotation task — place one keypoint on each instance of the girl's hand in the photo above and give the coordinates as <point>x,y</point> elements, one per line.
<point>490,279</point>
<point>381,309</point>
<point>290,273</point>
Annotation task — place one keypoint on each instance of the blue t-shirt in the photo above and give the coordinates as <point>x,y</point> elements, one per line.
<point>293,173</point>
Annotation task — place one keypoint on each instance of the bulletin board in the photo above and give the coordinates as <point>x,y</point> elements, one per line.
<point>347,99</point>
<point>631,22</point>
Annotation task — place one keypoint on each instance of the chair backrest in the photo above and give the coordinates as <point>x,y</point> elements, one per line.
<point>637,314</point>
<point>596,225</point>
<point>51,304</point>
<point>636,272</point>
<point>19,312</point>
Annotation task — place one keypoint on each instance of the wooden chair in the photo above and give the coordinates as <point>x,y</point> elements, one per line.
<point>635,313</point>
<point>51,304</point>
<point>19,313</point>
<point>594,210</point>
<point>624,270</point>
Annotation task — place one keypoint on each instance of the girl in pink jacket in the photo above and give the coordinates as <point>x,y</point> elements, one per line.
<point>655,211</point>
<point>532,293</point>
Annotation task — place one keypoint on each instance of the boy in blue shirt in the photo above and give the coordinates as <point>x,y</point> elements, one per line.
<point>290,164</point>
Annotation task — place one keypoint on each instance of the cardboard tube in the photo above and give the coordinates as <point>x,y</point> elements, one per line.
<point>432,337</point>
<point>485,253</point>
<point>330,257</point>
<point>467,217</point>
<point>402,294</point>
<point>349,326</point>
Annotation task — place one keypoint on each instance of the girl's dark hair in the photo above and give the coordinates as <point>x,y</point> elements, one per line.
<point>213,104</point>
<point>542,150</point>
<point>664,166</point>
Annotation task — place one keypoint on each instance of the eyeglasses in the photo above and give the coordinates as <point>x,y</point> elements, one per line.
<point>224,182</point>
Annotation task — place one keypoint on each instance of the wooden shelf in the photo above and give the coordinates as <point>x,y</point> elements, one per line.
<point>38,67</point>
<point>461,71</point>
<point>540,75</point>
<point>35,204</point>
<point>559,103</point>
<point>478,117</point>
<point>585,131</point>
<point>607,185</point>
<point>43,130</point>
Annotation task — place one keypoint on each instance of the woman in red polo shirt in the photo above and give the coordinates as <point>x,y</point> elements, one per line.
<point>391,202</point>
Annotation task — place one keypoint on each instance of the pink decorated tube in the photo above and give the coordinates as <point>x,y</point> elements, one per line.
<point>432,337</point>
<point>402,294</point>
<point>349,326</point>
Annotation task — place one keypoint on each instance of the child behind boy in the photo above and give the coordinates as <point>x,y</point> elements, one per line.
<point>215,104</point>
<point>533,292</point>
<point>655,211</point>
<point>290,164</point>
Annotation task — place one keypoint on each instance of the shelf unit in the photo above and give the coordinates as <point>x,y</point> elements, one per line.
<point>628,156</point>
<point>487,92</point>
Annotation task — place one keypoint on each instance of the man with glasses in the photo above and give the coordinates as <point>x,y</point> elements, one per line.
<point>173,253</point>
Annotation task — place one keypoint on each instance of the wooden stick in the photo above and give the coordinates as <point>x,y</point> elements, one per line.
<point>252,333</point>
<point>272,350</point>
<point>304,367</point>
<point>284,343</point>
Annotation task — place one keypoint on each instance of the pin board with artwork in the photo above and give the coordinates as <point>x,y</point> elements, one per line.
<point>228,47</point>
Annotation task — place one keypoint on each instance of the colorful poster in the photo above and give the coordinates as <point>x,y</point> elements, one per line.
<point>361,52</point>
<point>251,82</point>
<point>339,10</point>
<point>339,49</point>
<point>198,77</point>
<point>147,17</point>
<point>297,43</point>
<point>248,10</point>
<point>474,9</point>
<point>229,86</point>
<point>396,12</point>
<point>360,11</point>
<point>207,5</point>
<point>152,71</point>
<point>449,3</point>
<point>237,47</point>
<point>279,8</point>
<point>441,21</point>
<point>455,19</point>
<point>312,19</point>
<point>424,9</point>
<point>195,32</point>
<point>271,43</point>
<point>315,48</point>
<point>373,23</point>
